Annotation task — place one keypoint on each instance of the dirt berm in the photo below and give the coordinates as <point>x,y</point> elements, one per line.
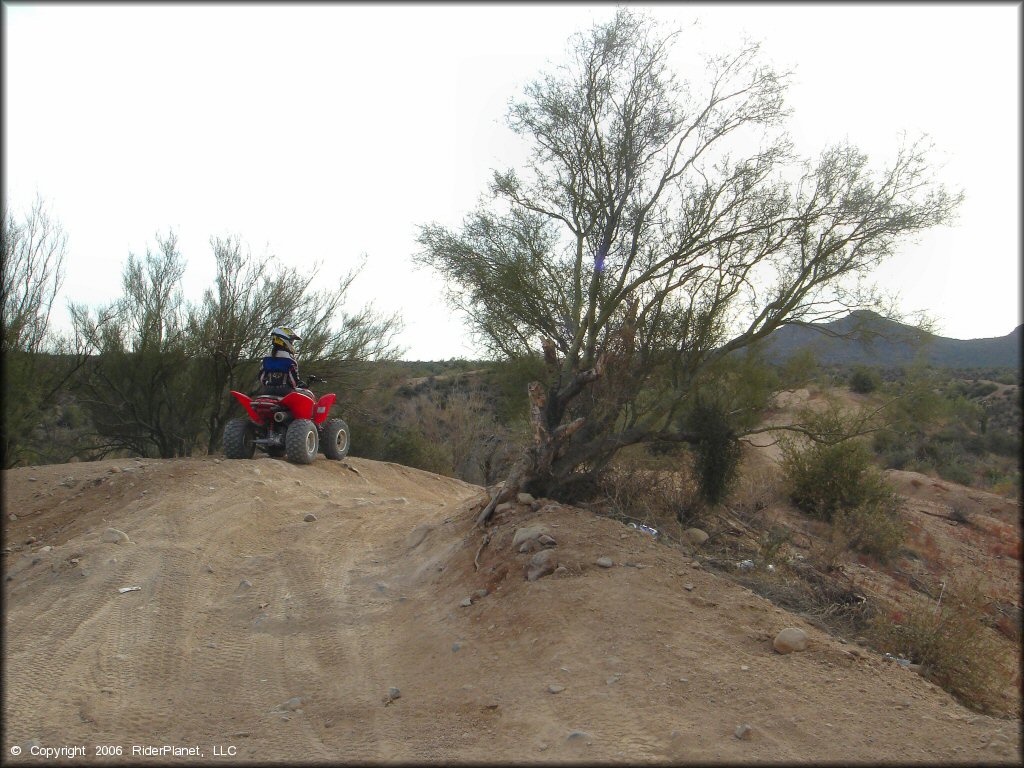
<point>255,632</point>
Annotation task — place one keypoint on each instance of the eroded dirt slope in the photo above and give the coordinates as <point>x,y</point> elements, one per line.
<point>255,629</point>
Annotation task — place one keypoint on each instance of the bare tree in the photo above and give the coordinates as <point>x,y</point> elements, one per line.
<point>142,388</point>
<point>645,241</point>
<point>36,361</point>
<point>32,272</point>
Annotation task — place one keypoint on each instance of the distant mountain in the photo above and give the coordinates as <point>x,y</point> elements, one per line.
<point>870,339</point>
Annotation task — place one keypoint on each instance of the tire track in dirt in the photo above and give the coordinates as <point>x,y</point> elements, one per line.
<point>341,608</point>
<point>347,623</point>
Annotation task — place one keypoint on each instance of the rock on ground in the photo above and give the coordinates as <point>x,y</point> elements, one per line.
<point>541,565</point>
<point>695,536</point>
<point>789,640</point>
<point>295,702</point>
<point>522,535</point>
<point>114,536</point>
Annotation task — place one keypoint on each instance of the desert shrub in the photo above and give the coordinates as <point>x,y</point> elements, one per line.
<point>823,478</point>
<point>1008,376</point>
<point>374,438</point>
<point>830,601</point>
<point>865,380</point>
<point>717,454</point>
<point>955,472</point>
<point>979,389</point>
<point>412,449</point>
<point>838,483</point>
<point>951,642</point>
<point>875,526</point>
<point>886,440</point>
<point>895,455</point>
<point>975,445</point>
<point>669,448</point>
<point>459,418</point>
<point>894,448</point>
<point>367,437</point>
<point>932,454</point>
<point>1003,443</point>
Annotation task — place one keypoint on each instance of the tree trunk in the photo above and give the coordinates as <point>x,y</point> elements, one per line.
<point>533,470</point>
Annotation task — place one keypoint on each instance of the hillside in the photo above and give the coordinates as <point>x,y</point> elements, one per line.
<point>255,629</point>
<point>874,340</point>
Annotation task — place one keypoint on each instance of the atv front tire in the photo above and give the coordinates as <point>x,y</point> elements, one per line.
<point>301,441</point>
<point>335,439</point>
<point>239,439</point>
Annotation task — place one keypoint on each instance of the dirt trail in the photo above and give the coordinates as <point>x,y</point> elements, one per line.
<point>297,666</point>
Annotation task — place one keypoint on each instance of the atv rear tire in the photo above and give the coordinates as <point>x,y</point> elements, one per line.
<point>239,439</point>
<point>335,439</point>
<point>301,441</point>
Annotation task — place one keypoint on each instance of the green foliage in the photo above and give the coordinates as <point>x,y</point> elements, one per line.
<point>798,369</point>
<point>956,473</point>
<point>981,389</point>
<point>894,448</point>
<point>941,425</point>
<point>510,377</point>
<point>717,451</point>
<point>158,380</point>
<point>865,380</point>
<point>874,526</point>
<point>728,397</point>
<point>918,399</point>
<point>1003,444</point>
<point>740,386</point>
<point>647,252</point>
<point>401,444</point>
<point>838,483</point>
<point>825,478</point>
<point>36,362</point>
<point>1006,376</point>
<point>412,449</point>
<point>143,389</point>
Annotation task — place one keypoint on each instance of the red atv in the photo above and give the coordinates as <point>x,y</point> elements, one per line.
<point>293,426</point>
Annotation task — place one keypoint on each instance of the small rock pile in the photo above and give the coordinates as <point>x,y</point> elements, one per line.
<point>533,538</point>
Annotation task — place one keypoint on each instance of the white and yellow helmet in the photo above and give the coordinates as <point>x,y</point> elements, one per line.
<point>284,338</point>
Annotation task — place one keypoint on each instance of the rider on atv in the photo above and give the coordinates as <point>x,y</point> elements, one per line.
<point>285,419</point>
<point>279,373</point>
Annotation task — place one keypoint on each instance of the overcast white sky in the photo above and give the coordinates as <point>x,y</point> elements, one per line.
<point>324,132</point>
